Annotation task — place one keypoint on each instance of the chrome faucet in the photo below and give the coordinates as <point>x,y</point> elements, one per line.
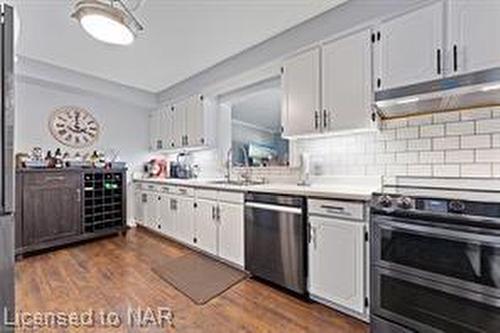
<point>245,175</point>
<point>229,164</point>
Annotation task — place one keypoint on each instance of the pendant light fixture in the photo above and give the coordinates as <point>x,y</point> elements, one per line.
<point>107,21</point>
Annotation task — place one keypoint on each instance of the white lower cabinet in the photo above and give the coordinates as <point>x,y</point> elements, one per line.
<point>167,220</point>
<point>231,233</point>
<point>219,224</point>
<point>139,200</point>
<point>206,225</point>
<point>151,209</point>
<point>337,262</point>
<point>183,218</point>
<point>210,220</point>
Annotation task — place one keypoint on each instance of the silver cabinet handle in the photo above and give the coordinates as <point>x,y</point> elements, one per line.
<point>213,212</point>
<point>337,208</point>
<point>218,213</point>
<point>314,236</point>
<point>325,118</point>
<point>78,195</point>
<point>455,58</point>
<point>316,119</point>
<point>52,178</point>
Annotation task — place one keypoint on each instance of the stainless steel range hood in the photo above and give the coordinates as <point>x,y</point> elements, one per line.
<point>478,89</point>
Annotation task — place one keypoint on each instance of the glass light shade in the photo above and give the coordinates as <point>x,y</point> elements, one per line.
<point>106,29</point>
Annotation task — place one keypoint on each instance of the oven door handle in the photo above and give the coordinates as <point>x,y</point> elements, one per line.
<point>275,208</point>
<point>445,233</point>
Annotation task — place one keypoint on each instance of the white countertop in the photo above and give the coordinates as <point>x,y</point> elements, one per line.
<point>329,191</point>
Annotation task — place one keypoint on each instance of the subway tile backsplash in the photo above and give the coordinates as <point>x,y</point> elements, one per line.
<point>453,144</point>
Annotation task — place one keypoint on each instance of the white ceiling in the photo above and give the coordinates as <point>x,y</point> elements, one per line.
<point>181,37</point>
<point>262,109</point>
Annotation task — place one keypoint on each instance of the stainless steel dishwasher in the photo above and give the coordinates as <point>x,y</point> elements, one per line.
<point>275,239</point>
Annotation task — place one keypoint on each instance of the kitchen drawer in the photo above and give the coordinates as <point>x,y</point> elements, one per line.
<point>50,178</point>
<point>206,194</point>
<point>166,189</point>
<point>150,187</point>
<point>337,208</point>
<point>181,190</point>
<point>233,197</point>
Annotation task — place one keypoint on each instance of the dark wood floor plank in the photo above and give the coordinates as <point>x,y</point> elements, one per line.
<point>115,274</point>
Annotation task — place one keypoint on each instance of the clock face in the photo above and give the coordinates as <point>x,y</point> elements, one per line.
<point>74,126</point>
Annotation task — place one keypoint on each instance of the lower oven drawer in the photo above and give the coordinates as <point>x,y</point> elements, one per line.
<point>427,306</point>
<point>465,259</point>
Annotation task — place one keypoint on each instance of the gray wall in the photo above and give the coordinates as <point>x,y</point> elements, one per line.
<point>121,111</point>
<point>347,16</point>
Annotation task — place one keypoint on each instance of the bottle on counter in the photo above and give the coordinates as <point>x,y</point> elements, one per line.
<point>94,158</point>
<point>58,159</point>
<point>49,160</point>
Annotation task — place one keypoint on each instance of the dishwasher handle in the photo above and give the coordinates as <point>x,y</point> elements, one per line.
<point>275,208</point>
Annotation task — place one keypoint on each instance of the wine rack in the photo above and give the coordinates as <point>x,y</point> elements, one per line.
<point>104,200</point>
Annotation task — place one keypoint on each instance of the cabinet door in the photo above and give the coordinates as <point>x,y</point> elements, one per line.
<point>139,201</point>
<point>179,124</point>
<point>184,216</point>
<point>410,47</point>
<point>151,210</point>
<point>301,85</point>
<point>195,121</point>
<point>206,226</point>
<point>166,124</point>
<point>162,216</point>
<point>475,35</point>
<point>51,206</point>
<point>231,237</point>
<point>346,88</point>
<point>165,215</point>
<point>155,137</point>
<point>337,262</point>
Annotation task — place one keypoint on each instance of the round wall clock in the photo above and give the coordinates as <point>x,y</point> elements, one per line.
<point>74,126</point>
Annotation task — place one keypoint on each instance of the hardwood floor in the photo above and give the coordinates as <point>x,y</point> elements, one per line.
<point>115,273</point>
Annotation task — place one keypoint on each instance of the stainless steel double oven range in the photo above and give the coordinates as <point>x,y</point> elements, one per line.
<point>435,256</point>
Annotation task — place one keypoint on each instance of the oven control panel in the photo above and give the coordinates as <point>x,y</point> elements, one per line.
<point>398,202</point>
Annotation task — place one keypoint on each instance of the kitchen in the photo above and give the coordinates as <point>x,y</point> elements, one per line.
<point>334,168</point>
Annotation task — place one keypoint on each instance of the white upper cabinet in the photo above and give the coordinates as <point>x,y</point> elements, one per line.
<point>337,262</point>
<point>196,122</point>
<point>166,124</point>
<point>409,48</point>
<point>155,139</point>
<point>182,125</point>
<point>346,83</point>
<point>474,35</point>
<point>301,88</point>
<point>179,123</point>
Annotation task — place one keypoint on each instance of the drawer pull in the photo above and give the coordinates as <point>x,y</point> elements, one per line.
<point>52,178</point>
<point>337,208</point>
